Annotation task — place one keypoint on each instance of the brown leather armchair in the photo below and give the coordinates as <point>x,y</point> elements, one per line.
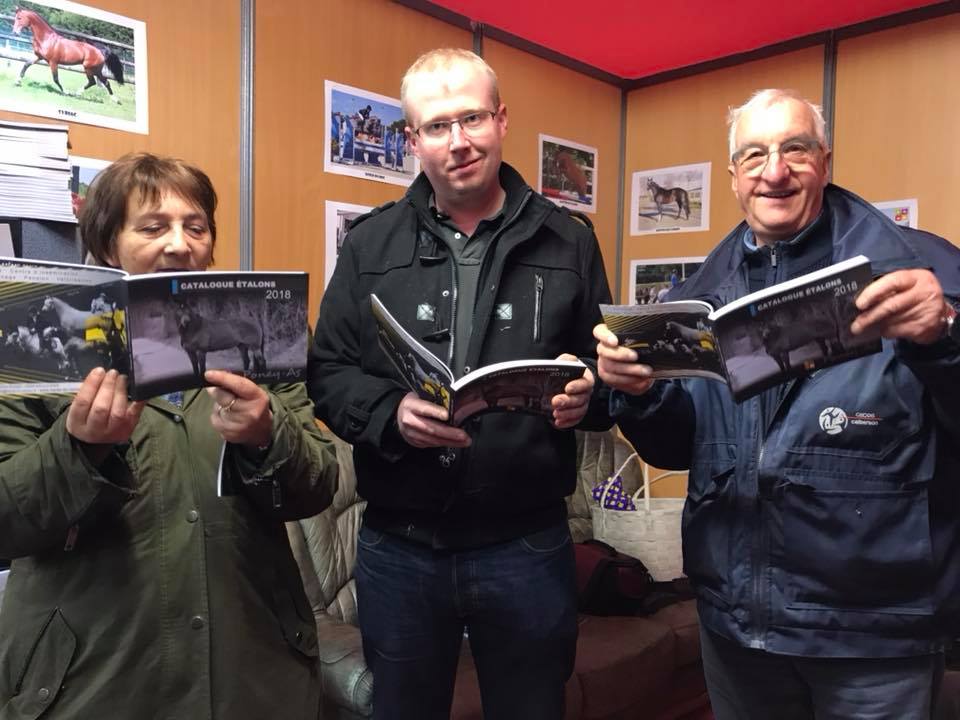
<point>626,667</point>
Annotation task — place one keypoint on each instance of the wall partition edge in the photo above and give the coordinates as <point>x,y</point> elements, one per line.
<point>247,15</point>
<point>829,86</point>
<point>621,189</point>
<point>477,28</point>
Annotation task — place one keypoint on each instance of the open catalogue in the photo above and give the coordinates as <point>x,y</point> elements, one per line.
<point>516,385</point>
<point>58,321</point>
<point>758,341</point>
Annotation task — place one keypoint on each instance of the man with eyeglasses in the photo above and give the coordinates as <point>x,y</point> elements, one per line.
<point>826,555</point>
<point>465,528</point>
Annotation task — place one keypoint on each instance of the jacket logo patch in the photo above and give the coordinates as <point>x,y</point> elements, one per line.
<point>503,311</point>
<point>833,420</point>
<point>426,312</point>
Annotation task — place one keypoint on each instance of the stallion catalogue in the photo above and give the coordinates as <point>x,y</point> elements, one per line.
<point>664,196</point>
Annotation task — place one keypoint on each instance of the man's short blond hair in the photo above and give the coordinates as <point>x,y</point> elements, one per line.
<point>444,59</point>
<point>766,98</point>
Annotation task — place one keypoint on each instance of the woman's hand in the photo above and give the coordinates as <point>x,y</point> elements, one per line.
<point>101,414</point>
<point>241,411</point>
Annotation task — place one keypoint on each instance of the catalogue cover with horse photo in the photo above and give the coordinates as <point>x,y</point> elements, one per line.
<point>760,340</point>
<point>515,385</point>
<point>58,321</point>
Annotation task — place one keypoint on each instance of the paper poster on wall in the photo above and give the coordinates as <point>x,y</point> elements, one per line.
<point>82,172</point>
<point>651,279</point>
<point>339,216</point>
<point>365,137</point>
<point>568,173</point>
<point>902,212</point>
<point>671,199</point>
<point>99,62</point>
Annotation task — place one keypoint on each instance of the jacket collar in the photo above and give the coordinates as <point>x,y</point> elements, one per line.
<point>511,181</point>
<point>854,226</point>
<point>850,224</point>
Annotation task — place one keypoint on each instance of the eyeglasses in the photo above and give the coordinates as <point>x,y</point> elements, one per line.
<point>471,124</point>
<point>795,152</point>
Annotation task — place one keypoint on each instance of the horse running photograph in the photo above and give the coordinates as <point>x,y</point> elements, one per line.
<point>674,199</point>
<point>73,62</point>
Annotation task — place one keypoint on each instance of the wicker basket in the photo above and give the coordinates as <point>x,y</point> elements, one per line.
<point>650,533</point>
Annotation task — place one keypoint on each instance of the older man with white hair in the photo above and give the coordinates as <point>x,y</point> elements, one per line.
<point>826,556</point>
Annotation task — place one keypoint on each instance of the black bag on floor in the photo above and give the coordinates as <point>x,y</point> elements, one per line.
<point>613,583</point>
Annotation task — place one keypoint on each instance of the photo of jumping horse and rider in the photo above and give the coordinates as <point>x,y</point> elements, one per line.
<point>673,199</point>
<point>365,136</point>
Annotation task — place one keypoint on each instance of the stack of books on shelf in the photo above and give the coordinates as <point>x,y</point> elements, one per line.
<point>34,172</point>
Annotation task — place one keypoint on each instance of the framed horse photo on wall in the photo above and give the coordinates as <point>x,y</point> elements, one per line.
<point>365,137</point>
<point>339,215</point>
<point>670,200</point>
<point>73,62</point>
<point>651,280</point>
<point>568,173</point>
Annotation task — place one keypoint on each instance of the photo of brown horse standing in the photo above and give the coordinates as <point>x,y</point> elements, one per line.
<point>664,196</point>
<point>57,50</point>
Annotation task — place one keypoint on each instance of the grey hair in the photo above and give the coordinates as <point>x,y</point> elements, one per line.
<point>766,98</point>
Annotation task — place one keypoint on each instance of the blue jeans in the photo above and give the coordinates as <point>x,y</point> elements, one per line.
<point>516,600</point>
<point>747,684</point>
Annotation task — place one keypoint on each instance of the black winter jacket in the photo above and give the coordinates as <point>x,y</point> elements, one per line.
<point>541,282</point>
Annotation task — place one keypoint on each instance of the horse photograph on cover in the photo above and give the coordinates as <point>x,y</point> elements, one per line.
<point>674,199</point>
<point>71,61</point>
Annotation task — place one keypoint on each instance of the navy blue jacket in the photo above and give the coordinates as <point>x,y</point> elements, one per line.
<point>801,539</point>
<point>541,282</point>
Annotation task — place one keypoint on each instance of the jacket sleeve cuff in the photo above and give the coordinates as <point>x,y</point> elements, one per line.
<point>392,446</point>
<point>942,355</point>
<point>637,405</point>
<point>597,418</point>
<point>255,465</point>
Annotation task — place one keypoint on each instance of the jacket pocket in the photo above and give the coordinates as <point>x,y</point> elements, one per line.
<point>45,666</point>
<point>706,544</point>
<point>860,548</point>
<point>868,410</point>
<point>544,298</point>
<point>298,627</point>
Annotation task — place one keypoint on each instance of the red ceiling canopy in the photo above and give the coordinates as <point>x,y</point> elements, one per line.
<point>636,38</point>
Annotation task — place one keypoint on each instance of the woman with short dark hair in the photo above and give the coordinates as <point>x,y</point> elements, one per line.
<point>135,591</point>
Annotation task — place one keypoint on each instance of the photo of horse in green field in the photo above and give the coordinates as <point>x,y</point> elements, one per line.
<point>79,64</point>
